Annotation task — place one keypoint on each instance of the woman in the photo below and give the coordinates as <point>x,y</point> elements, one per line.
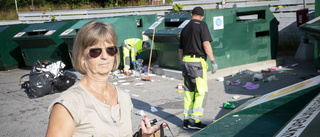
<point>93,106</point>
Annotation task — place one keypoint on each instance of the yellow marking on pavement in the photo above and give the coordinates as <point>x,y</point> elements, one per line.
<point>289,89</point>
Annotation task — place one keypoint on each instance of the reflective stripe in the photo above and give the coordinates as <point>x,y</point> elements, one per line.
<point>188,111</point>
<point>135,49</point>
<point>195,110</point>
<point>133,58</point>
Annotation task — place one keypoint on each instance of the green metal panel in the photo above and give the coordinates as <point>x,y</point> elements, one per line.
<point>265,115</point>
<point>41,42</point>
<point>246,35</point>
<point>10,53</point>
<point>313,29</point>
<point>130,26</point>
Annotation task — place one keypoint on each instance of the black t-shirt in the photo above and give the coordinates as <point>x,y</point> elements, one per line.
<point>192,36</point>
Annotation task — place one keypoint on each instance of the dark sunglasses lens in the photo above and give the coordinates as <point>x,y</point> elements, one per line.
<point>95,52</point>
<point>112,51</point>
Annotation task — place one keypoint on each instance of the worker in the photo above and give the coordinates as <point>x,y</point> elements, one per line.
<point>194,47</point>
<point>132,47</point>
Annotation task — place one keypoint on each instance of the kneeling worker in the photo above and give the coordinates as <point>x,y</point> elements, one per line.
<point>131,48</point>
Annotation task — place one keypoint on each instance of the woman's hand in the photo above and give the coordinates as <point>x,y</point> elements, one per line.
<point>146,127</point>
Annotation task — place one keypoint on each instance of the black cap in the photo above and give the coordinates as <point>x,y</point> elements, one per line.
<point>198,11</point>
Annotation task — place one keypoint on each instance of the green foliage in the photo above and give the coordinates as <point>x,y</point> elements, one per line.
<point>177,7</point>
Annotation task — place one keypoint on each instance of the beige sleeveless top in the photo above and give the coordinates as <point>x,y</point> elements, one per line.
<point>92,117</point>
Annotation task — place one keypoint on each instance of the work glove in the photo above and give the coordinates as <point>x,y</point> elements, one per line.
<point>134,64</point>
<point>214,67</point>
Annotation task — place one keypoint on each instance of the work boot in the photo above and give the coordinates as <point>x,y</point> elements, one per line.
<point>193,125</point>
<point>185,123</point>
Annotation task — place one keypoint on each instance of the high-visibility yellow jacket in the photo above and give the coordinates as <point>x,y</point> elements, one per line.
<point>134,45</point>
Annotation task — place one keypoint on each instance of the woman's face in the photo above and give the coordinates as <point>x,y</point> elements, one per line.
<point>98,60</point>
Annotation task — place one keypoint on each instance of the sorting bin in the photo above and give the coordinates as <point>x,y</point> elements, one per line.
<point>41,42</point>
<point>313,29</point>
<point>240,36</point>
<point>130,26</point>
<point>10,53</point>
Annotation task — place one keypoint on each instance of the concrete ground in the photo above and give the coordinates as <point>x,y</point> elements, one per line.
<point>21,116</point>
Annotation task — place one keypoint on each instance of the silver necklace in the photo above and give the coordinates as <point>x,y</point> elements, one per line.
<point>105,101</point>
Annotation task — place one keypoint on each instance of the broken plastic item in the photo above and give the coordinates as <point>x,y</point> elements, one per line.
<point>121,81</point>
<point>257,77</point>
<point>296,64</point>
<point>236,83</point>
<point>236,97</point>
<point>251,86</point>
<point>179,98</point>
<point>140,113</point>
<point>139,84</point>
<point>180,86</point>
<point>230,105</point>
<point>153,109</point>
<point>269,79</point>
<point>220,79</point>
<point>180,91</point>
<point>125,84</point>
<point>228,82</point>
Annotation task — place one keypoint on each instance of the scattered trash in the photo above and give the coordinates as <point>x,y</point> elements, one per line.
<point>125,84</point>
<point>153,109</point>
<point>273,69</point>
<point>236,83</point>
<point>139,84</point>
<point>135,95</point>
<point>241,72</point>
<point>230,105</point>
<point>180,86</point>
<point>234,74</point>
<point>269,79</point>
<point>178,98</point>
<point>257,77</point>
<point>180,91</point>
<point>293,65</point>
<point>235,97</point>
<point>163,76</point>
<point>140,113</point>
<point>250,86</point>
<point>228,82</point>
<point>265,71</point>
<point>235,115</point>
<point>121,81</point>
<point>220,79</point>
<point>115,83</point>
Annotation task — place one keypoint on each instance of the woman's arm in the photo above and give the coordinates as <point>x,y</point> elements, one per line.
<point>60,122</point>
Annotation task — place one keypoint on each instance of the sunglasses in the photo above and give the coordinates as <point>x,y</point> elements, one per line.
<point>96,52</point>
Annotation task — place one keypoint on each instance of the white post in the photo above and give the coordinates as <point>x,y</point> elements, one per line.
<point>16,5</point>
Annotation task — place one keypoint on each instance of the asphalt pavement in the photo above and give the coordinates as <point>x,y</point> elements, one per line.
<point>159,98</point>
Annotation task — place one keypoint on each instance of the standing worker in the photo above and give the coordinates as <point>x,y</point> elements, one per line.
<point>193,51</point>
<point>131,48</point>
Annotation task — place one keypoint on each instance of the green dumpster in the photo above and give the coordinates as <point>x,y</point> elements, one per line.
<point>10,53</point>
<point>240,36</point>
<point>41,42</point>
<point>130,26</point>
<point>313,29</point>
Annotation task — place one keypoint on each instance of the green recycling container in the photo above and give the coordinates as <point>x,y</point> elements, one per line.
<point>313,29</point>
<point>10,53</point>
<point>130,26</point>
<point>41,42</point>
<point>240,36</point>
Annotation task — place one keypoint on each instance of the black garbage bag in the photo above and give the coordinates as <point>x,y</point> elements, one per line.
<point>39,83</point>
<point>64,81</point>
